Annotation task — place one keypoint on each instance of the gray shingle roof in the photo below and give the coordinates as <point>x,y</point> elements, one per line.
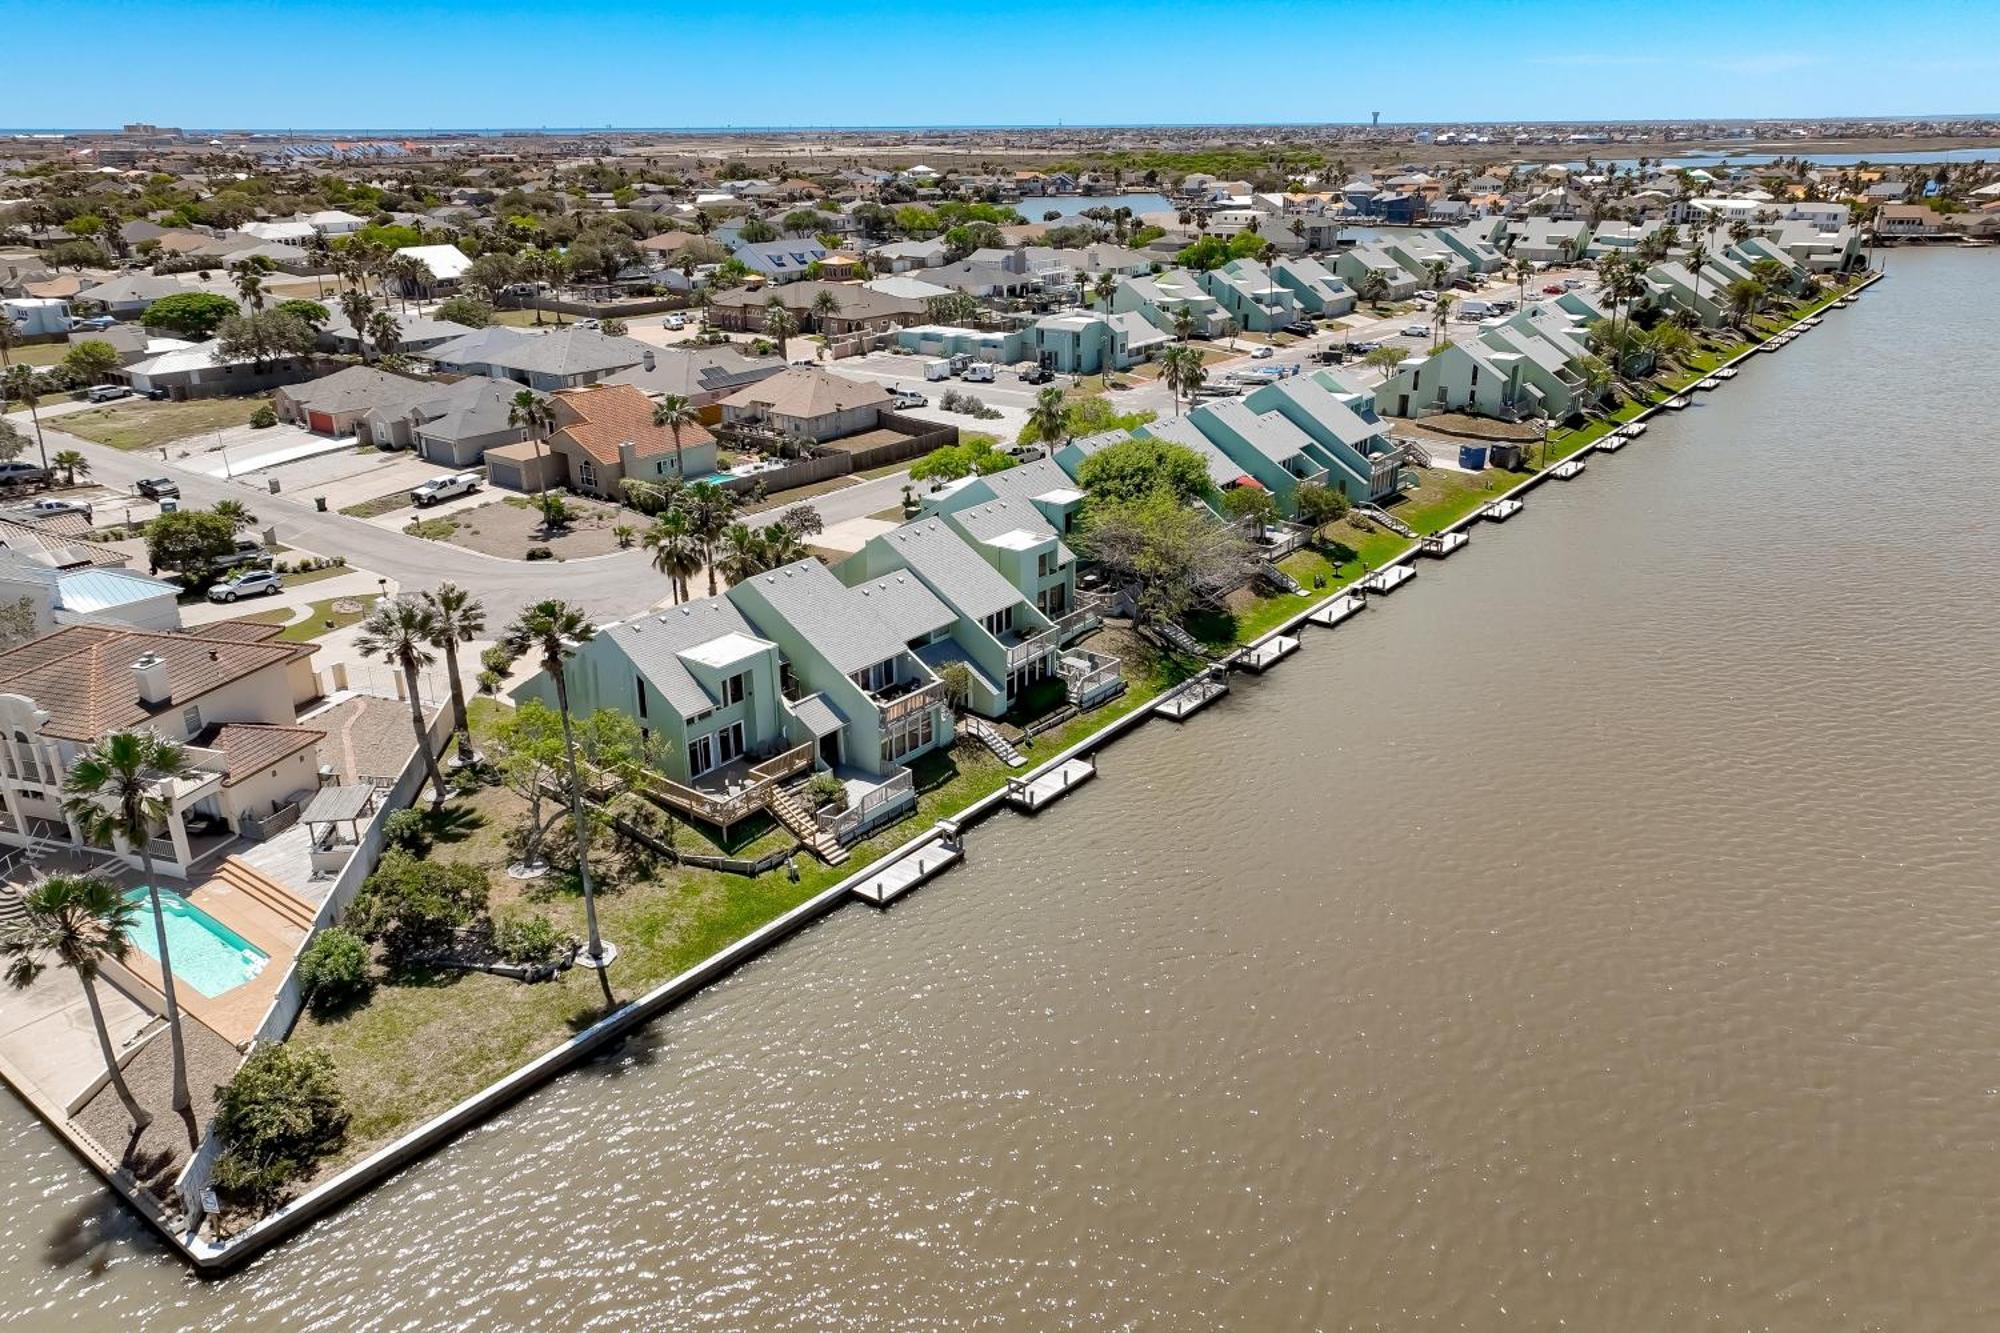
<point>952,569</point>
<point>653,643</point>
<point>849,630</point>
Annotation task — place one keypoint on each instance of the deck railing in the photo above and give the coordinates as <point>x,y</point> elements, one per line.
<point>723,810</point>
<point>903,705</point>
<point>1031,648</point>
<point>879,804</point>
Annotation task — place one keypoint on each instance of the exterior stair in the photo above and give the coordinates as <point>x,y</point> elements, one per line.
<point>987,735</point>
<point>1279,579</point>
<point>1418,454</point>
<point>1386,519</point>
<point>254,884</point>
<point>12,910</point>
<point>1180,639</point>
<point>799,822</point>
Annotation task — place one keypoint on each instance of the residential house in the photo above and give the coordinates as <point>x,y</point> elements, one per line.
<point>1356,265</point>
<point>417,333</point>
<point>1316,288</point>
<point>1347,437</point>
<point>808,402</point>
<point>1472,241</point>
<point>1901,221</point>
<point>1423,255</point>
<point>1554,387</point>
<point>199,370</point>
<point>1546,240</point>
<point>604,436</point>
<point>447,265</point>
<point>902,256</point>
<point>702,375</point>
<point>1161,297</point>
<point>1088,342</point>
<point>998,346</point>
<point>1255,300</point>
<point>1266,447</point>
<point>565,358</point>
<point>860,310</point>
<point>229,693</point>
<point>1458,377</point>
<point>789,259</point>
<point>87,595</point>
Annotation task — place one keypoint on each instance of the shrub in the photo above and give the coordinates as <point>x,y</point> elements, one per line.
<point>826,789</point>
<point>278,1115</point>
<point>405,829</point>
<point>412,907</point>
<point>539,553</point>
<point>334,968</point>
<point>264,417</point>
<point>528,939</point>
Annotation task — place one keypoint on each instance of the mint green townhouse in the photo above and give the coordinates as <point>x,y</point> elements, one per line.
<point>1315,287</point>
<point>1460,377</point>
<point>991,627</point>
<point>1255,300</point>
<point>1343,433</point>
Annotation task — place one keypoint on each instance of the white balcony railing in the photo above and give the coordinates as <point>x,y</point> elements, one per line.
<point>878,804</point>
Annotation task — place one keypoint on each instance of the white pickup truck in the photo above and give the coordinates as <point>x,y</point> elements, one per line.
<point>439,489</point>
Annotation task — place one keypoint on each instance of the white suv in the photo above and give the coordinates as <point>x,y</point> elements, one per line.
<point>257,583</point>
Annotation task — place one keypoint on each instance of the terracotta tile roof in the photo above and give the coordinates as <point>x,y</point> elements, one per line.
<point>251,746</point>
<point>82,675</point>
<point>600,417</point>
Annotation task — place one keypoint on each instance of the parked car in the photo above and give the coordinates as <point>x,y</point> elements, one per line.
<point>1571,284</point>
<point>444,488</point>
<point>95,322</point>
<point>154,488</point>
<point>20,474</point>
<point>255,583</point>
<point>106,393</point>
<point>908,398</point>
<point>249,551</point>
<point>589,323</point>
<point>52,507</point>
<point>1303,329</point>
<point>1361,349</point>
<point>1553,289</point>
<point>1426,295</point>
<point>1037,375</point>
<point>1262,352</point>
<point>674,322</point>
<point>1417,331</point>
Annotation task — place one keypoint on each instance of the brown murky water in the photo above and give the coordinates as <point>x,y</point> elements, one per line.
<point>1599,935</point>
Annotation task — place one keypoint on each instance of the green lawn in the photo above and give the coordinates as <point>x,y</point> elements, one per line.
<point>381,504</point>
<point>39,354</point>
<point>321,619</point>
<point>142,424</point>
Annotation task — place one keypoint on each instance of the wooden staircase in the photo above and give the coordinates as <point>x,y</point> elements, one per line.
<point>986,734</point>
<point>1279,579</point>
<point>255,885</point>
<point>1386,519</point>
<point>799,822</point>
<point>1180,639</point>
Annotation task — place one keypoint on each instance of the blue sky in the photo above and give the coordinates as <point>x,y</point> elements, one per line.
<point>419,64</point>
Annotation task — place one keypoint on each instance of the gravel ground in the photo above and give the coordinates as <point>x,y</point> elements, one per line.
<point>157,1157</point>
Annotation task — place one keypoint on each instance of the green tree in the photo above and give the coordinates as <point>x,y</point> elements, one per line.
<point>742,554</point>
<point>189,542</point>
<point>90,361</point>
<point>675,549</point>
<point>79,920</point>
<point>411,905</point>
<point>529,411</point>
<point>1318,505</point>
<point>191,315</point>
<point>333,969</point>
<point>1135,468</point>
<point>23,385</point>
<point>113,792</point>
<point>1048,419</point>
<point>356,306</point>
<point>1250,504</point>
<point>72,464</point>
<point>467,310</point>
<point>277,1116</point>
<point>709,509</point>
<point>239,515</point>
<point>1178,556</point>
<point>457,617</point>
<point>553,629</point>
<point>310,313</point>
<point>674,413</point>
<point>1388,358</point>
<point>264,336</point>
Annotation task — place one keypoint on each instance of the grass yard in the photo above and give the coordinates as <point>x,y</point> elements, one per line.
<point>381,504</point>
<point>142,424</point>
<point>322,619</point>
<point>1347,553</point>
<point>39,354</point>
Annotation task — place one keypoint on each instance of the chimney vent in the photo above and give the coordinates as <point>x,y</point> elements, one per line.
<point>150,673</point>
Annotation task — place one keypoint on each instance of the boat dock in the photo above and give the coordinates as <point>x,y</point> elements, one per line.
<point>896,878</point>
<point>1443,544</point>
<point>1569,467</point>
<point>1613,442</point>
<point>1031,794</point>
<point>1337,610</point>
<point>1261,656</point>
<point>1388,580</point>
<point>1635,430</point>
<point>1501,510</point>
<point>1196,695</point>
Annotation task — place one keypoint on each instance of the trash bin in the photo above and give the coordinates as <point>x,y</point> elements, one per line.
<point>1472,457</point>
<point>272,482</point>
<point>319,503</point>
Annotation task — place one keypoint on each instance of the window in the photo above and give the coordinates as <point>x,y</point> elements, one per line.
<point>729,742</point>
<point>999,622</point>
<point>907,735</point>
<point>735,688</point>
<point>639,683</point>
<point>877,677</point>
<point>586,474</point>
<point>701,755</point>
<point>191,720</point>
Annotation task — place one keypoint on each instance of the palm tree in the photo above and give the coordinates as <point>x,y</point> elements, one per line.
<point>82,920</point>
<point>411,274</point>
<point>1435,272</point>
<point>385,332</point>
<point>73,465</point>
<point>239,515</point>
<point>1106,288</point>
<point>1050,416</point>
<point>779,323</point>
<point>708,509</point>
<point>1442,310</point>
<point>1697,260</point>
<point>20,384</point>
<point>1523,270</point>
<point>529,411</point>
<point>456,617</point>
<point>676,550</point>
<point>112,792</point>
<point>1373,288</point>
<point>742,554</point>
<point>1184,323</point>
<point>553,628</point>
<point>782,546</point>
<point>357,306</point>
<point>400,631</point>
<point>675,412</point>
<point>825,306</point>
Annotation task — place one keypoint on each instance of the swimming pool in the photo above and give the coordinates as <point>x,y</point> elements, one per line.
<point>207,954</point>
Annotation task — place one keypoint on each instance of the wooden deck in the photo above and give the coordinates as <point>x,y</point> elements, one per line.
<point>1031,794</point>
<point>1572,467</point>
<point>1501,510</point>
<point>1388,580</point>
<point>1269,653</point>
<point>1337,610</point>
<point>1198,695</point>
<point>898,877</point>
<point>1444,544</point>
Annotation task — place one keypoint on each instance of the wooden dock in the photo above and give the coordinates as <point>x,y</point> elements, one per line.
<point>1197,695</point>
<point>1337,610</point>
<point>1635,430</point>
<point>1443,544</point>
<point>1569,467</point>
<point>1501,510</point>
<point>1388,580</point>
<point>1613,442</point>
<point>1263,656</point>
<point>891,881</point>
<point>1031,794</point>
